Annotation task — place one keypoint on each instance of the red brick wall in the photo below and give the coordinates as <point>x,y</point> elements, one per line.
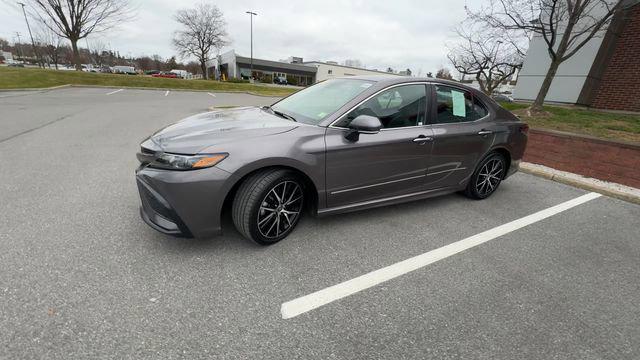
<point>596,158</point>
<point>620,85</point>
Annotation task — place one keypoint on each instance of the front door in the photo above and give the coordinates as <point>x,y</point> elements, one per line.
<point>388,163</point>
<point>461,132</point>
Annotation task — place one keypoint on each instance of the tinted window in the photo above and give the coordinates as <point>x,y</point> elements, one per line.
<point>400,106</point>
<point>456,105</point>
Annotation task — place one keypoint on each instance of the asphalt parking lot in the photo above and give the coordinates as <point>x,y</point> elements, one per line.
<point>81,276</point>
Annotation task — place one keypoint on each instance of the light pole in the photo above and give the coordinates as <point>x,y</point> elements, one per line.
<point>33,43</point>
<point>19,48</point>
<point>251,14</point>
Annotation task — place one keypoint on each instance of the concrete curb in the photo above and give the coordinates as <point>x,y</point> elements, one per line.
<point>618,191</point>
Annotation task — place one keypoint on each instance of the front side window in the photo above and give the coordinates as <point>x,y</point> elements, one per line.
<point>401,106</point>
<point>456,105</point>
<point>315,103</point>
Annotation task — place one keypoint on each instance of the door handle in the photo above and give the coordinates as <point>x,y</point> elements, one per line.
<point>485,132</point>
<point>422,139</point>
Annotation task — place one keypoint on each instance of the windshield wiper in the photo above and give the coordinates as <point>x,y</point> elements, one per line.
<point>280,113</point>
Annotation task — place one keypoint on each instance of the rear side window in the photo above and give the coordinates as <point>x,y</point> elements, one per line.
<point>398,107</point>
<point>455,105</point>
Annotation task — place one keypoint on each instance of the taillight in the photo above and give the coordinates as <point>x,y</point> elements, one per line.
<point>524,128</point>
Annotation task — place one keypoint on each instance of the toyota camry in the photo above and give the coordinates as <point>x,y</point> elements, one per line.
<point>341,145</point>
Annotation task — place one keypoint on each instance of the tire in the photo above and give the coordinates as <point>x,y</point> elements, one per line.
<point>268,205</point>
<point>481,185</point>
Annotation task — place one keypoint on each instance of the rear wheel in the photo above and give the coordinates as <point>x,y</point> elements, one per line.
<point>268,205</point>
<point>487,177</point>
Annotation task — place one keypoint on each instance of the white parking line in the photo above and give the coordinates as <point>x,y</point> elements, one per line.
<point>325,296</point>
<point>166,93</point>
<point>113,92</point>
<point>210,94</point>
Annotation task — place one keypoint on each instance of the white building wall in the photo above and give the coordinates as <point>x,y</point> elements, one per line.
<point>329,71</point>
<point>570,77</point>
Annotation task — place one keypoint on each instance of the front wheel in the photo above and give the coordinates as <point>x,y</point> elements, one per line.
<point>487,177</point>
<point>268,205</point>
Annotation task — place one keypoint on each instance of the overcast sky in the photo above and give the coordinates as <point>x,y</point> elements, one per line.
<point>400,33</point>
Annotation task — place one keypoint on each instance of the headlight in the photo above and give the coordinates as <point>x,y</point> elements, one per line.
<point>187,162</point>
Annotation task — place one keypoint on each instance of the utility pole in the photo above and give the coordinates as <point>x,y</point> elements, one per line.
<point>33,43</point>
<point>19,46</point>
<point>251,14</point>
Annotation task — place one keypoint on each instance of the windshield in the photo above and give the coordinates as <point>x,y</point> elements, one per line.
<point>316,102</point>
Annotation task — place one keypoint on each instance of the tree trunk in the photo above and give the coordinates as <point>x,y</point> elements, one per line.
<point>76,54</point>
<point>203,67</point>
<point>546,84</point>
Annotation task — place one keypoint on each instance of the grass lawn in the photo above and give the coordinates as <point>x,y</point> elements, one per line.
<point>583,121</point>
<point>17,78</point>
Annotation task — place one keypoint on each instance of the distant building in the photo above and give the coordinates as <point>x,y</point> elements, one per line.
<point>331,69</point>
<point>232,66</point>
<point>295,70</point>
<point>604,74</point>
<point>8,57</point>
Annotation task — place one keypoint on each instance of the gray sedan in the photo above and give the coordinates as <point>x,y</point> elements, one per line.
<point>341,145</point>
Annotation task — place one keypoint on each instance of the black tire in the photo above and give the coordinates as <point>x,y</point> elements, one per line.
<point>487,177</point>
<point>258,212</point>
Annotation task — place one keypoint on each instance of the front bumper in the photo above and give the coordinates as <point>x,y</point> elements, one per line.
<point>183,203</point>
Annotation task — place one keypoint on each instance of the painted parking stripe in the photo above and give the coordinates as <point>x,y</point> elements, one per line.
<point>166,93</point>
<point>210,94</point>
<point>325,296</point>
<point>114,92</point>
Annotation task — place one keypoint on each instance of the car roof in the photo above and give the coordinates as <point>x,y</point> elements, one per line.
<point>385,80</point>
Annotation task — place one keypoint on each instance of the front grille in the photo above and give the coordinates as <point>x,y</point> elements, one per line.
<point>145,156</point>
<point>144,150</point>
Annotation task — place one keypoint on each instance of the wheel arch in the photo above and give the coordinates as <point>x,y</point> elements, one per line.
<point>310,187</point>
<point>504,152</point>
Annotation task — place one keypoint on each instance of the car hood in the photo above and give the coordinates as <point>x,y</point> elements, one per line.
<point>195,133</point>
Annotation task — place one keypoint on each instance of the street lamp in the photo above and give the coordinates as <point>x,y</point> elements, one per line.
<point>33,43</point>
<point>251,14</point>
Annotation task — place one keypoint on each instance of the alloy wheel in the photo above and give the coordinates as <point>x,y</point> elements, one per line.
<point>489,177</point>
<point>280,209</point>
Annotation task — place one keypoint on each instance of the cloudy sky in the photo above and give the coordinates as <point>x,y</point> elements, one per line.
<point>400,33</point>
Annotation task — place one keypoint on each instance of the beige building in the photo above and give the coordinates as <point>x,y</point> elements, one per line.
<point>328,70</point>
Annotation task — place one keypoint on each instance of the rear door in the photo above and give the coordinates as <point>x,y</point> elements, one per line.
<point>462,132</point>
<point>390,162</point>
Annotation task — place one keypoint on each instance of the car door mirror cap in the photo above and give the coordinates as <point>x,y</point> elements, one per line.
<point>366,124</point>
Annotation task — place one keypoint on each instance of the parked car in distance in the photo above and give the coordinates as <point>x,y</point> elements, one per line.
<point>128,70</point>
<point>21,65</point>
<point>152,72</point>
<point>341,145</point>
<point>502,98</point>
<point>280,80</point>
<point>165,75</point>
<point>182,74</point>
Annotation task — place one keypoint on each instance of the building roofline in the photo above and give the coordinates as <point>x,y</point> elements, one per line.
<point>349,67</point>
<point>284,65</point>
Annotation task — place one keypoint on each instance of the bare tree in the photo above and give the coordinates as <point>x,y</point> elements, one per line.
<point>76,19</point>
<point>444,73</point>
<point>51,44</point>
<point>490,57</point>
<point>203,29</point>
<point>564,25</point>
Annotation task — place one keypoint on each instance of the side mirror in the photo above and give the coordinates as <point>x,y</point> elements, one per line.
<point>366,124</point>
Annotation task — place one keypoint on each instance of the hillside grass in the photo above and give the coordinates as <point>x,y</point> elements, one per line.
<point>605,125</point>
<point>29,78</point>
